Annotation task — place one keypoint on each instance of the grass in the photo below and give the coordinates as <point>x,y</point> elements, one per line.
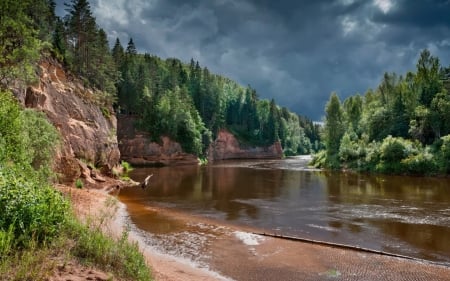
<point>83,243</point>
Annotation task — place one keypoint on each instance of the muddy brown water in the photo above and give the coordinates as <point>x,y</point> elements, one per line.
<point>402,215</point>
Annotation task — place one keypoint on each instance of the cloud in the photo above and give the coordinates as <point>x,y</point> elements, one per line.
<point>296,52</point>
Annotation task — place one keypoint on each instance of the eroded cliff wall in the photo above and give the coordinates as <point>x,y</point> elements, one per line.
<point>137,148</point>
<point>87,131</point>
<point>226,146</point>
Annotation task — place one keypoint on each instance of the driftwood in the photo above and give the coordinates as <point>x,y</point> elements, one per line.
<point>348,247</point>
<point>145,183</point>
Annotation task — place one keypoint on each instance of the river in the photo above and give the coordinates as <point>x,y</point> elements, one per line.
<point>397,214</point>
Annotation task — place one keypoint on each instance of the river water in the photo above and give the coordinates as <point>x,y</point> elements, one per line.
<point>397,214</point>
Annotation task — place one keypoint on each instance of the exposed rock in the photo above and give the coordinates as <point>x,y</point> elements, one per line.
<point>86,133</point>
<point>226,146</point>
<point>137,149</point>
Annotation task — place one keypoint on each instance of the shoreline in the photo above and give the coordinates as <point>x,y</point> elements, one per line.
<point>89,203</point>
<point>264,258</point>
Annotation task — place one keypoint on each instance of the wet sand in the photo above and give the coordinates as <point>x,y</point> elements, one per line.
<point>228,252</point>
<point>233,252</point>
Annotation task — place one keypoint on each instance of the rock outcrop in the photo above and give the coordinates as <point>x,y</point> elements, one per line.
<point>88,132</point>
<point>137,149</point>
<point>226,146</point>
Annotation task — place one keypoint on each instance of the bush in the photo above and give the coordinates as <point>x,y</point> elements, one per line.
<point>318,160</point>
<point>41,140</point>
<point>420,164</point>
<point>349,151</point>
<point>392,150</point>
<point>444,155</point>
<point>12,145</point>
<point>29,208</point>
<point>32,210</point>
<point>126,167</point>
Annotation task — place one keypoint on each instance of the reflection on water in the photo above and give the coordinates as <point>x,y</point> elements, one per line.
<point>404,215</point>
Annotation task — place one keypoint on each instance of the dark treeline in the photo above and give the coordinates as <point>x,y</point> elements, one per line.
<point>190,104</point>
<point>401,127</point>
<point>180,100</point>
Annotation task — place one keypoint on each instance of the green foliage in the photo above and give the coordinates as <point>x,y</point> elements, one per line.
<point>27,204</point>
<point>126,167</point>
<point>190,105</point>
<point>392,150</point>
<point>7,242</point>
<point>12,145</point>
<point>79,184</point>
<point>350,150</point>
<point>333,130</point>
<point>421,163</point>
<point>319,159</point>
<point>31,209</point>
<point>41,138</point>
<point>117,255</point>
<point>444,152</point>
<point>19,47</point>
<point>35,218</point>
<point>395,129</point>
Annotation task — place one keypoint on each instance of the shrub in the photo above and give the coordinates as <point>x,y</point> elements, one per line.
<point>41,140</point>
<point>126,167</point>
<point>392,150</point>
<point>12,145</point>
<point>318,160</point>
<point>444,155</point>
<point>350,151</point>
<point>31,209</point>
<point>420,164</point>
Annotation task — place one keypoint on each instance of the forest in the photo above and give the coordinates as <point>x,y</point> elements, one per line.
<point>401,127</point>
<point>190,104</point>
<point>181,100</point>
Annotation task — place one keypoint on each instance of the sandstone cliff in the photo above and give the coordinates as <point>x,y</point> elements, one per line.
<point>137,148</point>
<point>90,132</point>
<point>226,146</point>
<point>85,130</point>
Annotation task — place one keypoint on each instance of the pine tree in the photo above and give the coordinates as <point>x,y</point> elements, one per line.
<point>81,35</point>
<point>131,48</point>
<point>118,53</point>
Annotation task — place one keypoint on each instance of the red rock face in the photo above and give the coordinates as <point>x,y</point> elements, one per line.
<point>226,146</point>
<point>137,148</point>
<point>85,132</point>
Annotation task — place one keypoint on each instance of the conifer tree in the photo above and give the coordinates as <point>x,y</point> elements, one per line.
<point>81,34</point>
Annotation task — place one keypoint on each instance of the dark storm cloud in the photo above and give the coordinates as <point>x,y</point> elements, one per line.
<point>297,52</point>
<point>422,14</point>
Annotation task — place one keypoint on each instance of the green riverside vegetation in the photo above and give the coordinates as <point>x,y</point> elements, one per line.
<point>38,230</point>
<point>190,104</point>
<point>36,222</point>
<point>403,127</point>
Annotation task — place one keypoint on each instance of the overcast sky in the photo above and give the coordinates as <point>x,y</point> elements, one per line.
<point>296,52</point>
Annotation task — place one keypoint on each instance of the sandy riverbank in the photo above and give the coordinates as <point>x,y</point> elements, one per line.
<point>89,204</point>
<point>235,253</point>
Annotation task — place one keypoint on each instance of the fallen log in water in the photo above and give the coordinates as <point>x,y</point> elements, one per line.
<point>349,247</point>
